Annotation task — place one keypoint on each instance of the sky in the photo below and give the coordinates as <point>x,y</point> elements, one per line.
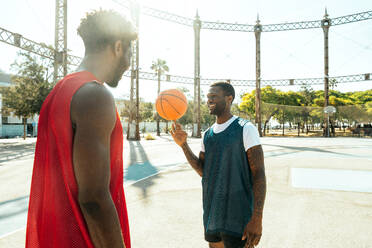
<point>224,55</point>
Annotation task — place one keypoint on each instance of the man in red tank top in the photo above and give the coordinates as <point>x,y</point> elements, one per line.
<point>77,197</point>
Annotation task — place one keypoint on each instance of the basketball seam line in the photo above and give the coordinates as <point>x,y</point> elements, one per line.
<point>165,99</point>
<point>174,96</point>
<point>161,105</point>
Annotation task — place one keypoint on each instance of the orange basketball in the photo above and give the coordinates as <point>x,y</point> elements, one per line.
<point>171,104</point>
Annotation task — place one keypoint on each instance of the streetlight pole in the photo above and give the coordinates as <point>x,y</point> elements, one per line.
<point>197,27</point>
<point>60,41</point>
<point>134,89</point>
<point>157,115</point>
<point>138,137</point>
<point>257,32</point>
<point>326,23</point>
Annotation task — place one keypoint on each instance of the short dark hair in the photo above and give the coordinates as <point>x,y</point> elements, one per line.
<point>226,87</point>
<point>104,27</point>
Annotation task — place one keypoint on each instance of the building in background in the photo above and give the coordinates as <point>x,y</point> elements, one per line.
<point>11,126</point>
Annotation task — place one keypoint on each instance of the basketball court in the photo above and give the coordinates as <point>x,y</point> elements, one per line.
<point>167,192</point>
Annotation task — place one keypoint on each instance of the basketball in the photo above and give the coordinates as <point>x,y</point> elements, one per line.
<point>171,104</point>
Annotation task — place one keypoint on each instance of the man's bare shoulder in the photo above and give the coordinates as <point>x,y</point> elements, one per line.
<point>92,100</point>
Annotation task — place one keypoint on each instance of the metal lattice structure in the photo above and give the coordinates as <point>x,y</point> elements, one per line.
<point>351,18</point>
<point>19,41</point>
<point>167,16</point>
<point>163,15</point>
<point>73,60</point>
<point>43,50</point>
<point>60,40</point>
<point>40,49</point>
<point>287,26</point>
<point>227,26</point>
<point>252,83</point>
<point>247,27</point>
<point>317,81</point>
<point>291,26</point>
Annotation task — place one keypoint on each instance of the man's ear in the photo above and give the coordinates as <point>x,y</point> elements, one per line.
<point>118,48</point>
<point>230,99</point>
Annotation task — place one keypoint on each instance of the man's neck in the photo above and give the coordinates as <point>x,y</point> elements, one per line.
<point>92,63</point>
<point>224,117</point>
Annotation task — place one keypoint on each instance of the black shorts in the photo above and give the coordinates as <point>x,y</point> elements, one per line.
<point>228,240</point>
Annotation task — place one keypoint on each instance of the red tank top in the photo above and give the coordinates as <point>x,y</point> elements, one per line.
<point>54,216</point>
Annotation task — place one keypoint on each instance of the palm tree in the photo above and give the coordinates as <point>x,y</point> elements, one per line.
<point>159,66</point>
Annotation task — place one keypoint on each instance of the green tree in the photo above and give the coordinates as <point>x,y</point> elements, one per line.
<point>369,110</point>
<point>332,83</point>
<point>269,95</point>
<point>159,66</point>
<point>235,110</point>
<point>308,95</point>
<point>305,107</point>
<point>361,97</point>
<point>146,111</point>
<point>123,107</point>
<point>187,117</point>
<point>30,89</point>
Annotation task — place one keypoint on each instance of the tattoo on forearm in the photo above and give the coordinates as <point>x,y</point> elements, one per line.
<point>193,160</point>
<point>256,162</point>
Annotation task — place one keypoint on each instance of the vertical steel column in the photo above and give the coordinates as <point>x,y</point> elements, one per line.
<point>197,27</point>
<point>60,40</point>
<point>326,23</point>
<point>257,32</point>
<point>131,105</point>
<point>157,115</point>
<point>134,87</point>
<point>138,137</point>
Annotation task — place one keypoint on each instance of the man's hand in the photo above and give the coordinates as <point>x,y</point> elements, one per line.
<point>179,135</point>
<point>253,232</point>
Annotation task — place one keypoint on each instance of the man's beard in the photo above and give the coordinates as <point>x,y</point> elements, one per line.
<point>118,73</point>
<point>218,109</point>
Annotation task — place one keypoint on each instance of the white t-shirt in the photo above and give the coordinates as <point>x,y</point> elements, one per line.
<point>250,133</point>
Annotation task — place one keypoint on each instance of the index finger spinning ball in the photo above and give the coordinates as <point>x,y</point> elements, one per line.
<point>171,104</point>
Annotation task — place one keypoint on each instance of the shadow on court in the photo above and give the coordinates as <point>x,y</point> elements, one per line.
<point>166,138</point>
<point>13,207</point>
<point>13,214</point>
<point>139,168</point>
